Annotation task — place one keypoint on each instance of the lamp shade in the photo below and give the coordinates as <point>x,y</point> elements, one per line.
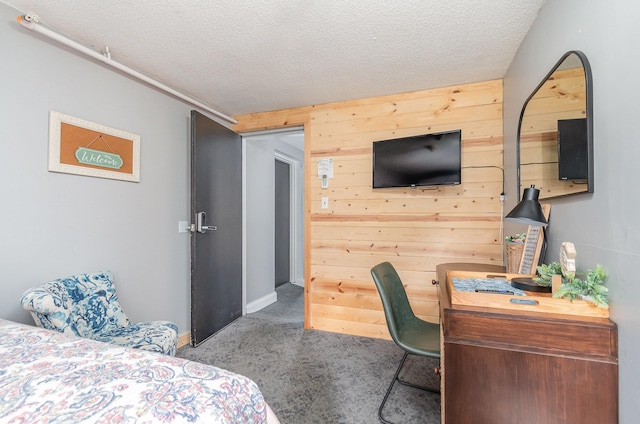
<point>528,211</point>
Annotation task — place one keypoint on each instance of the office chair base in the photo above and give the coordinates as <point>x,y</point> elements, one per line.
<point>403,382</point>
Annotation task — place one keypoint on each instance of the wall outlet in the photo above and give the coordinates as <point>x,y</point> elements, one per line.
<point>325,203</point>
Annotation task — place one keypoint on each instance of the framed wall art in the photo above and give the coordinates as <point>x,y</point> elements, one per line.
<point>81,147</point>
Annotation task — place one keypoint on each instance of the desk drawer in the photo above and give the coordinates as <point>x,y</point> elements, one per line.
<point>578,338</point>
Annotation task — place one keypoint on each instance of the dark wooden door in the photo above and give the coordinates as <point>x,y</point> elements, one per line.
<point>216,243</point>
<point>282,222</point>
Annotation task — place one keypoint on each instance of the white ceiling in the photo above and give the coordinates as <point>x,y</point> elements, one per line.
<point>242,56</point>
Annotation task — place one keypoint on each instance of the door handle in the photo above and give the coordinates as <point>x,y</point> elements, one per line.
<point>200,223</point>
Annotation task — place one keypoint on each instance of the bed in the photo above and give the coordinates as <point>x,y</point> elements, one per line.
<point>47,376</point>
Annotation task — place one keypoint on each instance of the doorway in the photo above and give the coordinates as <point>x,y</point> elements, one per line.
<point>263,152</point>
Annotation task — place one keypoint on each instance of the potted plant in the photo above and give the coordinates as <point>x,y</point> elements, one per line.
<point>513,251</point>
<point>591,289</point>
<point>516,238</point>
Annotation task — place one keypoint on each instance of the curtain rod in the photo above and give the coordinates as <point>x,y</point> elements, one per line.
<point>31,22</point>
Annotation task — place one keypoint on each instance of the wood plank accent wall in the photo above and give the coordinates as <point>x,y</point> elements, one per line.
<point>415,229</point>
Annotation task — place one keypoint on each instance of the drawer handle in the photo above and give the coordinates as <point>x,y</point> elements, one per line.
<point>523,301</point>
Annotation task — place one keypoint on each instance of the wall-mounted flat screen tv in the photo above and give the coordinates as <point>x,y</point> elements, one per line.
<point>423,160</point>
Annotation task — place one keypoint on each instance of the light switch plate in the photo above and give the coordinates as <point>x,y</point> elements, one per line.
<point>325,203</point>
<point>183,226</point>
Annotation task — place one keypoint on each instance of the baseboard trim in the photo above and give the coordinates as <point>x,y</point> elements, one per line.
<point>263,302</point>
<point>184,339</point>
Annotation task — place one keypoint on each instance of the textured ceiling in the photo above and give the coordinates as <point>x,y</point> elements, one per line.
<point>259,55</point>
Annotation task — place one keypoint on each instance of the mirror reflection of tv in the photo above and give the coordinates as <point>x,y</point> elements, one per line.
<point>423,160</point>
<point>572,149</point>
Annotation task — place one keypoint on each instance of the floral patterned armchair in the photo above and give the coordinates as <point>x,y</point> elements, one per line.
<point>87,305</point>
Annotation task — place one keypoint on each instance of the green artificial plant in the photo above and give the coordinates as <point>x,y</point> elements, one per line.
<point>591,289</point>
<point>547,271</point>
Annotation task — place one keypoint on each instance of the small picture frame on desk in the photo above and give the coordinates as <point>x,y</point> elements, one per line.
<point>534,245</point>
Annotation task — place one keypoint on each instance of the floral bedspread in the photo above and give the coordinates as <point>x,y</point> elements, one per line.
<point>50,377</point>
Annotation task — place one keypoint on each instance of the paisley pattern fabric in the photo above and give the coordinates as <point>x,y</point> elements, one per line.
<point>50,377</point>
<point>86,305</point>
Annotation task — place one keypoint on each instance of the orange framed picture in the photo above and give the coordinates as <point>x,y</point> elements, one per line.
<point>85,148</point>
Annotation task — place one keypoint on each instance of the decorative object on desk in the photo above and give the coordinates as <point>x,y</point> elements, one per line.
<point>568,259</point>
<point>591,289</point>
<point>556,273</point>
<point>541,284</point>
<point>556,282</point>
<point>529,284</point>
<point>514,246</point>
<point>534,246</point>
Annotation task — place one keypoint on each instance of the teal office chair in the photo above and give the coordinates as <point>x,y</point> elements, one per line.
<point>410,333</point>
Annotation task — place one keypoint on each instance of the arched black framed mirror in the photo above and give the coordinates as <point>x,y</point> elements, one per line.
<point>555,134</point>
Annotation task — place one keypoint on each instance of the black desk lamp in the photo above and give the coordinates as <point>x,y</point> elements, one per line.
<point>529,212</point>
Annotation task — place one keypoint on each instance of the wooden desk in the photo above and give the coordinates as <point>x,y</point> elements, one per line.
<point>502,366</point>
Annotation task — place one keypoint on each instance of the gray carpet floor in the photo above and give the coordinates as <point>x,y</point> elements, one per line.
<point>311,376</point>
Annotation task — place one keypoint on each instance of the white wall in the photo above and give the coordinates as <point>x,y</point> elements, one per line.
<point>53,224</point>
<point>260,211</point>
<point>603,225</point>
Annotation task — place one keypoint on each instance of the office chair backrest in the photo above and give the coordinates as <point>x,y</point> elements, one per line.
<point>396,305</point>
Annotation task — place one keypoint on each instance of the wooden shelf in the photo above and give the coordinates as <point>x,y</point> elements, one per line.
<point>545,303</point>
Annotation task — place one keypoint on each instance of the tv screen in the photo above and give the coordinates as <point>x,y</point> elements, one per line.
<point>572,149</point>
<point>423,160</point>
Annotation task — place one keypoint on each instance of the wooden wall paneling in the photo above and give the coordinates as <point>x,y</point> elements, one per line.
<point>440,99</point>
<point>350,327</point>
<point>273,119</point>
<point>363,206</point>
<point>334,143</point>
<point>450,118</point>
<point>438,233</point>
<point>369,302</point>
<point>415,229</point>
